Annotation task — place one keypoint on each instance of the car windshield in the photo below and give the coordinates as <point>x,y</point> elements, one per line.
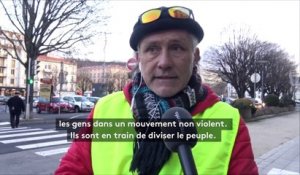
<point>93,99</point>
<point>84,99</point>
<point>56,100</point>
<point>78,98</point>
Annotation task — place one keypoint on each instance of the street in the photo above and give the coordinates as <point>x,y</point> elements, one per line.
<point>269,133</point>
<point>36,147</point>
<point>275,142</point>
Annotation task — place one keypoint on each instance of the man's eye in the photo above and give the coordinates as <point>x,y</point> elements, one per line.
<point>177,48</point>
<point>152,49</point>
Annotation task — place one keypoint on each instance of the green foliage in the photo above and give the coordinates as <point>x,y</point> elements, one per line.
<point>272,100</point>
<point>243,104</point>
<point>286,100</point>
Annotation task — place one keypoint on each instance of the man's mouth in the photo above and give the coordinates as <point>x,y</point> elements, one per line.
<point>165,77</point>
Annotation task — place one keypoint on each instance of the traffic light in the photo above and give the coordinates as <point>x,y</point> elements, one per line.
<point>30,81</point>
<point>37,67</point>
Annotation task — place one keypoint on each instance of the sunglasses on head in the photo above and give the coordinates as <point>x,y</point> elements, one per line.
<point>176,12</point>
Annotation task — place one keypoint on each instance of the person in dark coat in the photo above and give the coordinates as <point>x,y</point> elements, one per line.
<point>16,106</point>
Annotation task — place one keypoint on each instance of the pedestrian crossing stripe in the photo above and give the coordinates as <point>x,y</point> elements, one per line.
<point>19,130</point>
<point>277,171</point>
<point>33,138</point>
<point>10,135</point>
<point>4,123</point>
<point>43,144</point>
<point>9,128</point>
<point>27,134</point>
<point>52,152</point>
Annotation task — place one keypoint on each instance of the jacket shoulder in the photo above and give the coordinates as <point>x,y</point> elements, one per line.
<point>222,110</point>
<point>112,105</point>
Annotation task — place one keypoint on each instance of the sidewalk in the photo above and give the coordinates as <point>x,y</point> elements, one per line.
<point>4,117</point>
<point>282,160</point>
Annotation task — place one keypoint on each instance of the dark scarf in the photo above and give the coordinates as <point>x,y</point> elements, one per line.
<point>150,156</point>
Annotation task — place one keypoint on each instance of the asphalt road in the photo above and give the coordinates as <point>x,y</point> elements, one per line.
<point>35,147</point>
<point>269,133</point>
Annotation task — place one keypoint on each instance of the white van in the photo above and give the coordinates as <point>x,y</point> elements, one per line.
<point>80,103</point>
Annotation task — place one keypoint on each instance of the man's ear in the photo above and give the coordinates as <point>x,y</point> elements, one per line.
<point>138,60</point>
<point>197,57</point>
<point>136,56</point>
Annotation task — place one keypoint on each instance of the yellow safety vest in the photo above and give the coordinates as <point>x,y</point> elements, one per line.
<point>210,157</point>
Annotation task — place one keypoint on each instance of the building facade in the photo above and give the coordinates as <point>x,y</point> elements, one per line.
<point>60,72</point>
<point>113,75</point>
<point>12,72</point>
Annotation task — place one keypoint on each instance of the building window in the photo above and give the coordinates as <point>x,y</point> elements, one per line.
<point>12,81</point>
<point>1,61</point>
<point>1,80</point>
<point>12,71</point>
<point>1,70</point>
<point>13,63</point>
<point>47,66</point>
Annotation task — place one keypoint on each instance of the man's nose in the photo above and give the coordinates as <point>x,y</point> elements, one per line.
<point>164,60</point>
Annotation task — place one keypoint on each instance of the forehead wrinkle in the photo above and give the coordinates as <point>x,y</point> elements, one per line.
<point>168,40</point>
<point>159,37</point>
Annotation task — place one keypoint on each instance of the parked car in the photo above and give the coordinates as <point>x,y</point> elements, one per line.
<point>93,99</point>
<point>54,105</point>
<point>35,101</point>
<point>81,103</point>
<point>257,102</point>
<point>3,99</point>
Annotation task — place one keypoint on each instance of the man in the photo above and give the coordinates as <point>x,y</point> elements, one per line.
<point>16,106</point>
<point>165,40</point>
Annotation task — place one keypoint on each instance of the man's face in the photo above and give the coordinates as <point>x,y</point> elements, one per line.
<point>166,60</point>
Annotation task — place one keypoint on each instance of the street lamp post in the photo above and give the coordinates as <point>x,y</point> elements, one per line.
<point>255,77</point>
<point>262,78</point>
<point>27,112</point>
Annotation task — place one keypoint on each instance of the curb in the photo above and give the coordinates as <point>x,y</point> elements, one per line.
<point>270,116</point>
<point>36,120</point>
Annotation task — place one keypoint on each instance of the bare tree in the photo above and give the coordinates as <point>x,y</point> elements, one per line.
<point>84,81</point>
<point>276,70</point>
<point>219,87</point>
<point>120,79</point>
<point>55,73</point>
<point>234,60</point>
<point>240,57</point>
<point>49,25</point>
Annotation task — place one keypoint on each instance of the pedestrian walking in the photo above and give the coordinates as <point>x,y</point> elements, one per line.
<point>16,106</point>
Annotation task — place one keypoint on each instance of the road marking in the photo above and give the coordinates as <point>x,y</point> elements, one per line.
<point>44,144</point>
<point>33,138</point>
<point>4,123</point>
<point>9,128</point>
<point>19,130</point>
<point>76,116</point>
<point>277,171</point>
<point>52,152</point>
<point>27,134</point>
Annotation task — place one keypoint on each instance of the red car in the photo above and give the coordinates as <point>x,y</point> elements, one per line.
<point>54,106</point>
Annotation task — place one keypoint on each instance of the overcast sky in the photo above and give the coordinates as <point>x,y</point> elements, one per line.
<point>274,21</point>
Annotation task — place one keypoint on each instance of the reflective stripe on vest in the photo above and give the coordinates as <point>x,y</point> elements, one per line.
<point>210,157</point>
